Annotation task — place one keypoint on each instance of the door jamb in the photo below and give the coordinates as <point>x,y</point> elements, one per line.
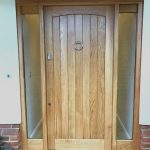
<point>136,131</point>
<point>43,78</point>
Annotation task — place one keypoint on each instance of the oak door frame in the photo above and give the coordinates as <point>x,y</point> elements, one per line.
<point>37,8</point>
<point>133,144</point>
<point>28,144</point>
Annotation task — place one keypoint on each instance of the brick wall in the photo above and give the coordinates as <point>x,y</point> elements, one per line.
<point>11,135</point>
<point>145,138</point>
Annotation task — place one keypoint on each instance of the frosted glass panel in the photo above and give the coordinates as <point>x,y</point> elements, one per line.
<point>126,74</point>
<point>31,41</point>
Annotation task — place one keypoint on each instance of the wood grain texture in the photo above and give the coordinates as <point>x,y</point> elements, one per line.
<point>35,144</point>
<point>93,78</point>
<point>50,82</point>
<point>136,130</point>
<point>86,76</point>
<point>32,9</point>
<point>115,77</point>
<point>124,145</point>
<point>128,8</point>
<point>79,144</point>
<point>78,10</point>
<point>101,75</point>
<point>79,79</point>
<point>71,75</point>
<point>43,79</point>
<point>104,101</point>
<point>57,2</point>
<point>64,75</point>
<point>81,75</point>
<point>22,80</point>
<point>57,77</point>
<point>108,78</point>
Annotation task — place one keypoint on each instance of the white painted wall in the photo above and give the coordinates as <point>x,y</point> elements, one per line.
<point>145,76</point>
<point>10,112</point>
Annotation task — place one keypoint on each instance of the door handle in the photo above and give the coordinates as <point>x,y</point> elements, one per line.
<point>49,56</point>
<point>78,45</point>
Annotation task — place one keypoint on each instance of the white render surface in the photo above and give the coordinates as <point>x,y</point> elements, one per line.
<point>10,110</point>
<point>145,76</point>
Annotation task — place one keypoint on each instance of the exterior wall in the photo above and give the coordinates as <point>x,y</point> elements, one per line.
<point>9,67</point>
<point>11,135</point>
<point>145,81</point>
<point>10,105</point>
<point>145,76</point>
<point>10,110</point>
<point>145,138</point>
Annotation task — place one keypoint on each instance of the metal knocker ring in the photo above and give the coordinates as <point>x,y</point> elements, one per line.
<point>78,45</point>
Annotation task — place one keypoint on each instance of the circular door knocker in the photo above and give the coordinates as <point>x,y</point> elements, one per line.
<point>78,45</point>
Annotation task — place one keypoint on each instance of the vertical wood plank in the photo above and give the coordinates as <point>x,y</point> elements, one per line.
<point>43,79</point>
<point>64,75</point>
<point>50,77</point>
<point>22,80</point>
<point>71,75</point>
<point>57,77</point>
<point>79,79</point>
<point>108,77</point>
<point>101,75</point>
<point>93,78</point>
<point>115,77</point>
<point>136,134</point>
<point>86,75</point>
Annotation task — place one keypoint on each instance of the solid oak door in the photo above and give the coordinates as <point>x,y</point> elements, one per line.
<point>79,51</point>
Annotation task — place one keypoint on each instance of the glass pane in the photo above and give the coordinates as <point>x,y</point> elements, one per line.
<point>128,8</point>
<point>31,42</point>
<point>126,74</point>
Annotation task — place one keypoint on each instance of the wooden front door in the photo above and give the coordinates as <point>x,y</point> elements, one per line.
<point>79,51</point>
